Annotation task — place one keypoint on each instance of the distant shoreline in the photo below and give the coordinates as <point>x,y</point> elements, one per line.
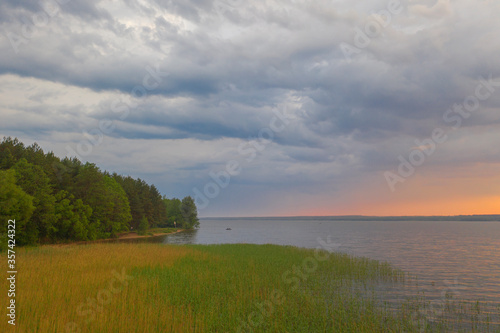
<point>457,218</point>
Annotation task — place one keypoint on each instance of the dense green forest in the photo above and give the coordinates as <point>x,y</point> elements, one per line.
<point>55,199</point>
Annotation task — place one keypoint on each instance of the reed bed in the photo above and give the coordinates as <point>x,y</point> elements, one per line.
<point>200,288</point>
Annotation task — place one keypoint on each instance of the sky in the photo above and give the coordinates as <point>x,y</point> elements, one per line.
<point>266,108</point>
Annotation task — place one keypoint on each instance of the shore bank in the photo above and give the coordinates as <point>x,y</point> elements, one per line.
<point>157,232</point>
<point>134,235</point>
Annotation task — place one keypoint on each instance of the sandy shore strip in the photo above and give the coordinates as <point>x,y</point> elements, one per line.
<point>125,236</point>
<point>134,235</point>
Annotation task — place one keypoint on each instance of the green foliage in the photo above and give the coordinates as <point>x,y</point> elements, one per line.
<point>144,200</point>
<point>189,213</point>
<point>174,214</point>
<point>65,171</point>
<point>15,204</point>
<point>118,216</point>
<point>11,150</point>
<point>183,213</point>
<point>108,200</point>
<point>143,226</point>
<point>33,180</point>
<point>6,159</point>
<point>73,217</point>
<point>54,200</point>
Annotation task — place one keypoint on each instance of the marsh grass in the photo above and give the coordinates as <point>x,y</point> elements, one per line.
<point>211,288</point>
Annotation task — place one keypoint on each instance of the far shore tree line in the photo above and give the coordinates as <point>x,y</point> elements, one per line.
<point>54,200</point>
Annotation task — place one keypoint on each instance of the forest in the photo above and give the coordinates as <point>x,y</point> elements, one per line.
<point>56,200</point>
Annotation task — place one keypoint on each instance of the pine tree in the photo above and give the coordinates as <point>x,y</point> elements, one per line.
<point>189,213</point>
<point>32,179</point>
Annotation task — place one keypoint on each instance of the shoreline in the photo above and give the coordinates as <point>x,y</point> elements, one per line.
<point>134,235</point>
<point>125,236</point>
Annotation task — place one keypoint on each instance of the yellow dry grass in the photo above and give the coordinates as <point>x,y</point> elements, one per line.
<point>87,288</point>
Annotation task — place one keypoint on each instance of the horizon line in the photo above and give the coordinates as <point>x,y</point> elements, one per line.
<point>353,215</point>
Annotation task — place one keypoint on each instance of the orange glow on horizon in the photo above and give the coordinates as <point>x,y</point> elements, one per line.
<point>463,190</point>
<point>465,206</point>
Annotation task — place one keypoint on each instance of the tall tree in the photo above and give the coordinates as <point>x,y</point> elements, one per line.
<point>16,147</point>
<point>108,200</point>
<point>73,218</point>
<point>173,211</point>
<point>132,189</point>
<point>119,218</point>
<point>159,211</point>
<point>32,179</point>
<point>15,204</point>
<point>189,213</point>
<point>7,160</point>
<point>65,171</point>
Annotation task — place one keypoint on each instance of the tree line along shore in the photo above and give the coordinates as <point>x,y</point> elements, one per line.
<point>55,200</point>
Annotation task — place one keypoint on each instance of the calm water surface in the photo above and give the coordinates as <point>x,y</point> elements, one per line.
<point>461,259</point>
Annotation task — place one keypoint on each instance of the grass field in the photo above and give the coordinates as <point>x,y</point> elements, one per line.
<point>216,288</point>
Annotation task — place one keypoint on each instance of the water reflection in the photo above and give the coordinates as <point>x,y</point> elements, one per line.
<point>183,237</point>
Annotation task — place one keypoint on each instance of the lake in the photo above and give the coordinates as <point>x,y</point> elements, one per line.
<point>460,260</point>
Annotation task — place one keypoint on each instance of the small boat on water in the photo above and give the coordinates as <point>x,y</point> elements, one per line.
<point>228,228</point>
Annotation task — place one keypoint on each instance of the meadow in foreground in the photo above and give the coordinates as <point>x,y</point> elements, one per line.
<point>216,288</point>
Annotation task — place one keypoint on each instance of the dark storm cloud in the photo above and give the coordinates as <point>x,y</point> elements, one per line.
<point>25,9</point>
<point>189,9</point>
<point>87,10</point>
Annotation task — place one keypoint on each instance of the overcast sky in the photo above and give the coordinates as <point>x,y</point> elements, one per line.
<point>260,108</point>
